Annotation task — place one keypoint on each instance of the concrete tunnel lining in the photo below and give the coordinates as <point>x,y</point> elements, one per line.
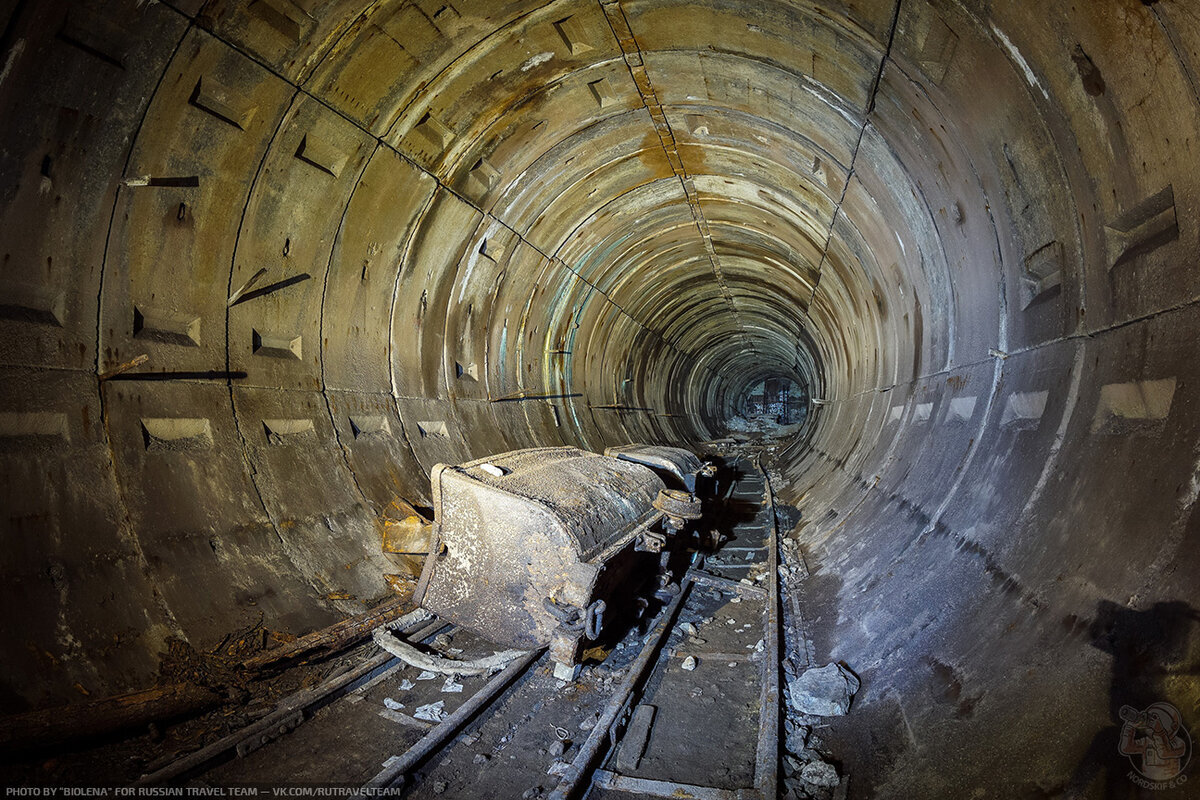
<point>487,226</point>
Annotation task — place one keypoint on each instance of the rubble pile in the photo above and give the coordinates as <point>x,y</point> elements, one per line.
<point>812,693</point>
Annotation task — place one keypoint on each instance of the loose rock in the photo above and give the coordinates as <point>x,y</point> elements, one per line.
<point>797,738</point>
<point>824,691</point>
<point>818,773</point>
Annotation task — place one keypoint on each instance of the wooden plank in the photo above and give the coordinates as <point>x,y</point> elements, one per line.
<point>54,726</point>
<point>645,787</point>
<point>334,639</point>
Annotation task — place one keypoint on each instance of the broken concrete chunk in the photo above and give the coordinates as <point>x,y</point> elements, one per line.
<point>797,738</point>
<point>426,676</point>
<point>824,691</point>
<point>392,704</point>
<point>450,685</point>
<point>689,663</point>
<point>688,629</point>
<point>406,684</point>
<point>818,773</point>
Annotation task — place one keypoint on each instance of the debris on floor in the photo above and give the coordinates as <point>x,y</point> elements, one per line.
<point>820,774</point>
<point>434,712</point>
<point>824,691</point>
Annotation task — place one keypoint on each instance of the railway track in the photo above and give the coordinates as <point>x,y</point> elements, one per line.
<point>685,704</point>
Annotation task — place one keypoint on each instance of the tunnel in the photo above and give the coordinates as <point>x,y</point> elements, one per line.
<point>264,263</point>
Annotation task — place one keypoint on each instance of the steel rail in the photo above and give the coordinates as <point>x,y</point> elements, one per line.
<point>395,773</point>
<point>589,751</point>
<point>766,764</point>
<point>287,715</point>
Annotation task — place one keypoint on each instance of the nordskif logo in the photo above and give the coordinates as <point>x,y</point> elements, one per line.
<point>1157,743</point>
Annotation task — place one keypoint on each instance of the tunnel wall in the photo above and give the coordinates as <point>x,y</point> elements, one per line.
<point>324,319</point>
<point>354,239</point>
<point>1002,534</point>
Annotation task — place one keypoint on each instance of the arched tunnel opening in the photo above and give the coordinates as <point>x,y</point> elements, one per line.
<point>776,400</point>
<point>265,263</point>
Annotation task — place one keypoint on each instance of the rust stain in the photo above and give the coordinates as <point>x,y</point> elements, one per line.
<point>652,156</point>
<point>957,382</point>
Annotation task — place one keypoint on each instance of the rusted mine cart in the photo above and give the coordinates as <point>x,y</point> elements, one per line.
<point>689,481</point>
<point>679,468</point>
<point>545,547</point>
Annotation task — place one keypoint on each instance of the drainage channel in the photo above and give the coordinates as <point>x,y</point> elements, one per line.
<point>684,704</point>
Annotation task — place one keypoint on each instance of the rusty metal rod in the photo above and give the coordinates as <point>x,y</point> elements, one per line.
<point>124,367</point>
<point>394,774</point>
<point>590,749</point>
<point>766,765</point>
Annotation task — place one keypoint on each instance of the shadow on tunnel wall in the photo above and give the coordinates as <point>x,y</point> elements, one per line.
<point>1150,649</point>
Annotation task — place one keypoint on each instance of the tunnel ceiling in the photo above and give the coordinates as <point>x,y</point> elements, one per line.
<point>266,262</point>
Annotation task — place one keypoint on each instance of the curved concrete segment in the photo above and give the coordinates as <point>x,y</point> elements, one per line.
<point>263,264</point>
